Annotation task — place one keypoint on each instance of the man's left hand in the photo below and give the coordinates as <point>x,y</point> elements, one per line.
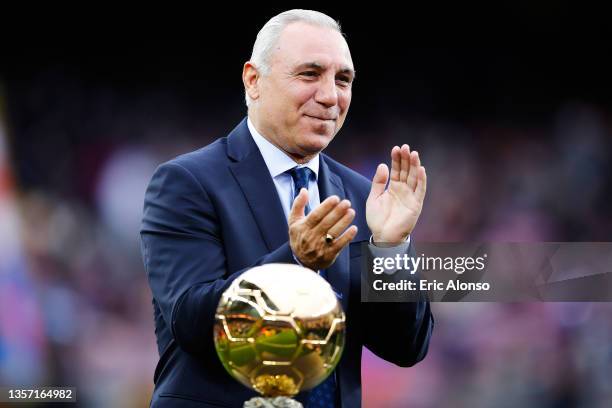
<point>393,212</point>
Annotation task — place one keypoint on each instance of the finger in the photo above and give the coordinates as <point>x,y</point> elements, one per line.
<point>379,181</point>
<point>298,207</point>
<point>415,163</point>
<point>315,216</point>
<point>404,163</point>
<point>395,163</point>
<point>333,217</point>
<point>337,229</point>
<point>421,187</point>
<point>344,239</point>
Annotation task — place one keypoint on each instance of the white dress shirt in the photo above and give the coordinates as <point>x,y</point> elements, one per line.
<point>278,163</point>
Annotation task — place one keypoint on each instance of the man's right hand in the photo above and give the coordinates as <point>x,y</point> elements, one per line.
<point>307,233</point>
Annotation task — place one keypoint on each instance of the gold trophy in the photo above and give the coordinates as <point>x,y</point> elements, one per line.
<point>279,330</point>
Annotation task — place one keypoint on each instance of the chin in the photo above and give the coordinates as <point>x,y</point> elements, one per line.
<point>314,142</point>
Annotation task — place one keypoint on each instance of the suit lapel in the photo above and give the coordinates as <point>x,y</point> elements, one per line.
<point>338,274</point>
<point>253,177</point>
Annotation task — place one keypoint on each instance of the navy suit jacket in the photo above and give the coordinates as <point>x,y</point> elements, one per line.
<point>213,213</point>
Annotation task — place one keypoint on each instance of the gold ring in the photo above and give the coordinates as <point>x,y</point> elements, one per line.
<point>329,238</point>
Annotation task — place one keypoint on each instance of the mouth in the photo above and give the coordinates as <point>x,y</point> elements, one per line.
<point>322,119</point>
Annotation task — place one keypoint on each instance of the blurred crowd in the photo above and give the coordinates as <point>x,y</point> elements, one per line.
<point>75,307</point>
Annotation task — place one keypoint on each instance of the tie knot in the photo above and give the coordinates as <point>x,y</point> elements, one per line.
<point>300,176</point>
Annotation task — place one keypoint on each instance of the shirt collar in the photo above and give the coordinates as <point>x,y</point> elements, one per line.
<point>276,160</point>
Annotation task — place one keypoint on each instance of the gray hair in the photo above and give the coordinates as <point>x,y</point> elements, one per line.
<point>270,33</point>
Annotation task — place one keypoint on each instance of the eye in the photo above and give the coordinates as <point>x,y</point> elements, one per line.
<point>344,81</point>
<point>311,74</point>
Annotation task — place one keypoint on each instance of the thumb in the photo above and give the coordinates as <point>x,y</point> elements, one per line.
<point>379,181</point>
<point>299,205</point>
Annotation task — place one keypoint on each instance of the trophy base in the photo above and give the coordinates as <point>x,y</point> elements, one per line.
<point>276,402</point>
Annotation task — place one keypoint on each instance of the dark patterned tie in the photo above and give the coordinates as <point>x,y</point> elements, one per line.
<point>300,176</point>
<point>324,395</point>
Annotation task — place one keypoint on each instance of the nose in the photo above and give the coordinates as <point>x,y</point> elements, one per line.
<point>327,94</point>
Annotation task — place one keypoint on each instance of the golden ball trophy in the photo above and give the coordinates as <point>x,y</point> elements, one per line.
<point>279,329</point>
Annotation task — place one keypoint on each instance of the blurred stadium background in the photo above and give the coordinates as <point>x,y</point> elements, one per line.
<point>513,125</point>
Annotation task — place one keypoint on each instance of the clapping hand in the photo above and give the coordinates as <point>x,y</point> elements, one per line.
<point>393,212</point>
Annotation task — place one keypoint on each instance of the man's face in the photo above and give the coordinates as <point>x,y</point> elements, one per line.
<point>304,98</point>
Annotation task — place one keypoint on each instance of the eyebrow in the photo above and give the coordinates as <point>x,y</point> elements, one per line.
<point>321,67</point>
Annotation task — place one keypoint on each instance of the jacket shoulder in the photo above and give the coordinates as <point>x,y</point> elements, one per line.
<point>204,159</point>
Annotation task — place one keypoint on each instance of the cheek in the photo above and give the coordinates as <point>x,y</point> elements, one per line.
<point>285,98</point>
<point>303,94</point>
<point>344,100</point>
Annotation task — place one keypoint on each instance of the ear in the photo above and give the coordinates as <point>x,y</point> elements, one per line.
<point>250,77</point>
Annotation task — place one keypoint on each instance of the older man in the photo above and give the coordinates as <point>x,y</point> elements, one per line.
<point>266,193</point>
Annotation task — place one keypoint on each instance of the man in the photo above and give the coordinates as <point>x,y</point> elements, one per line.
<point>266,194</point>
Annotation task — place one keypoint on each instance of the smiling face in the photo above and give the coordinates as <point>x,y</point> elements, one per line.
<point>301,103</point>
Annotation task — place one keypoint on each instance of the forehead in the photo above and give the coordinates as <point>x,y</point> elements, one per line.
<point>301,42</point>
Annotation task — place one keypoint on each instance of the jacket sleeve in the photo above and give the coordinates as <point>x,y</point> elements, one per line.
<point>184,257</point>
<point>398,332</point>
